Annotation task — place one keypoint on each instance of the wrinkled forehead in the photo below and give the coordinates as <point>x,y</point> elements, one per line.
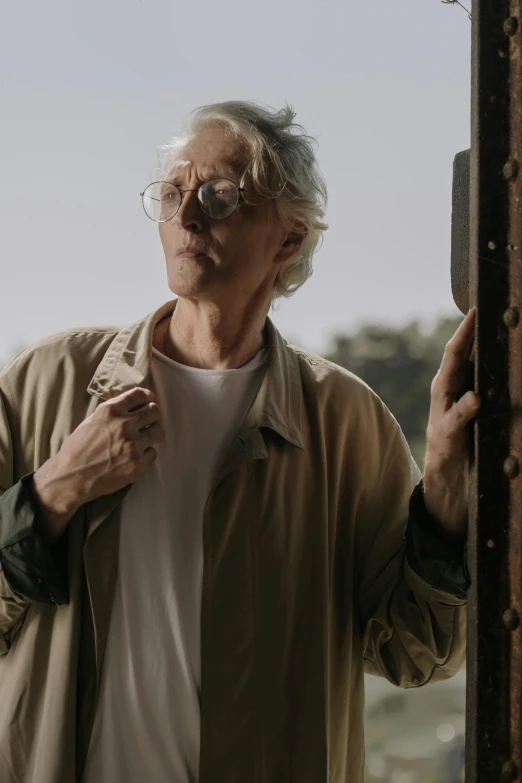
<point>211,153</point>
<point>178,168</point>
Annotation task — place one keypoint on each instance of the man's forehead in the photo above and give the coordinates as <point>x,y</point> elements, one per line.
<point>234,166</point>
<point>209,151</point>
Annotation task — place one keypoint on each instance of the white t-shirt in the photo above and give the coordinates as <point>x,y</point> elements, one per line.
<point>147,722</point>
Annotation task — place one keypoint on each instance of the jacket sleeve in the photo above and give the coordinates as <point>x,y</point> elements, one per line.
<point>442,565</point>
<point>410,592</point>
<point>31,571</point>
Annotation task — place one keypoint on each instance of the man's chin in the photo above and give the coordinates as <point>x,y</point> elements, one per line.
<point>195,286</point>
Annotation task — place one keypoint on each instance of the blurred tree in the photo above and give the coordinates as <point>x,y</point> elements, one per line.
<point>399,365</point>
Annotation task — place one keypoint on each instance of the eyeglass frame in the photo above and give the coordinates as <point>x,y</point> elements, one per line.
<point>192,190</point>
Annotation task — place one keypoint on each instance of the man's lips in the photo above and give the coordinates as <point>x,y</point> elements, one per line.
<point>191,252</point>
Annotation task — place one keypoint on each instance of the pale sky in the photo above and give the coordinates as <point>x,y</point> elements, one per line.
<point>91,89</point>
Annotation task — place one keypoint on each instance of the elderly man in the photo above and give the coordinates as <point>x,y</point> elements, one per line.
<point>206,534</point>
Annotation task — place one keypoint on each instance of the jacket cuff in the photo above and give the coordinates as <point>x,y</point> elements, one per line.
<point>439,563</point>
<point>35,571</point>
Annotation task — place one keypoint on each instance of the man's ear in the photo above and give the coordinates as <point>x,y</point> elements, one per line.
<point>296,236</point>
<point>291,245</point>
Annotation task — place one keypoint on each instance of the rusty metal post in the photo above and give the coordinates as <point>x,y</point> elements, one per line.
<point>494,665</point>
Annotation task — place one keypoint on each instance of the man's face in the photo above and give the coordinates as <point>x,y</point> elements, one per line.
<point>220,260</point>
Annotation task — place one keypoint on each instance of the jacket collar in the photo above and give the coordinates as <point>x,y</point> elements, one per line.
<point>279,402</point>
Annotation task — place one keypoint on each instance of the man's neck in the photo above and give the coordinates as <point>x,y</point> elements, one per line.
<point>207,337</point>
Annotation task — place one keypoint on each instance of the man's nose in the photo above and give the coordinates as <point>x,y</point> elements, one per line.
<point>190,214</point>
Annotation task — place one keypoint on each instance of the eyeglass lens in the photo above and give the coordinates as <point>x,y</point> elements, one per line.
<point>218,199</point>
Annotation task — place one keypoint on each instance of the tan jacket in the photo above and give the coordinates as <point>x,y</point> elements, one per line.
<point>305,582</point>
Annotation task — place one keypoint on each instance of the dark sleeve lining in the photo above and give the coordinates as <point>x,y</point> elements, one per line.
<point>35,571</point>
<point>443,565</point>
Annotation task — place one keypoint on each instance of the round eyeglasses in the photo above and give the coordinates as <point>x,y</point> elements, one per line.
<point>218,198</point>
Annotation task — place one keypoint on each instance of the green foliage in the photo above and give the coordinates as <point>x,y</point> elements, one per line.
<point>399,365</point>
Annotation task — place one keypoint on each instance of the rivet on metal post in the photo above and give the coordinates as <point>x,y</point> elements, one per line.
<point>511,467</point>
<point>511,317</point>
<point>510,169</point>
<point>511,25</point>
<point>509,771</point>
<point>511,619</point>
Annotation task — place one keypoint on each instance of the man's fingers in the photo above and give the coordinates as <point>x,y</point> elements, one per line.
<point>463,337</point>
<point>457,353</point>
<point>464,410</point>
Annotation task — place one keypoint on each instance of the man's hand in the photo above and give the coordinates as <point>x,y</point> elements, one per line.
<point>446,468</point>
<point>108,450</point>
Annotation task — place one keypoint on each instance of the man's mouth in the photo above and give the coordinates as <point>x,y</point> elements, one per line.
<point>192,251</point>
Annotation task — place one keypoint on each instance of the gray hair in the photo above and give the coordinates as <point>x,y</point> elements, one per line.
<point>283,167</point>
